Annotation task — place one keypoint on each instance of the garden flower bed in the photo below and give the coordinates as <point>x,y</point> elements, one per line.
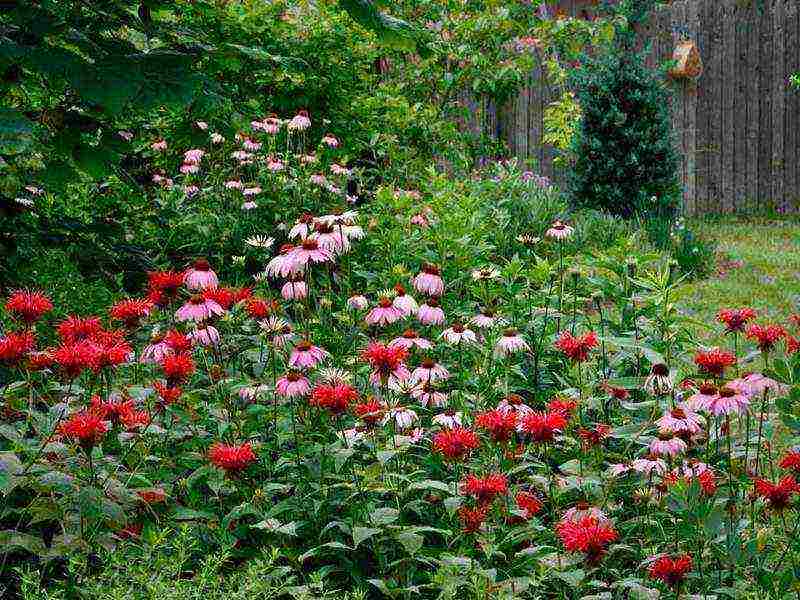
<point>432,394</point>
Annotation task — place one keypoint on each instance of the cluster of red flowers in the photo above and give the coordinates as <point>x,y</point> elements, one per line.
<point>485,489</point>
<point>335,398</point>
<point>528,503</point>
<point>778,495</point>
<point>543,426</point>
<point>131,311</point>
<point>369,411</point>
<point>28,306</point>
<point>500,425</point>
<point>671,570</point>
<point>87,428</point>
<point>226,297</point>
<point>714,361</point>
<point>14,347</point>
<point>177,368</point>
<point>232,459</point>
<point>163,286</point>
<point>456,443</point>
<point>576,348</point>
<point>384,359</point>
<point>735,319</point>
<point>765,336</point>
<point>587,534</point>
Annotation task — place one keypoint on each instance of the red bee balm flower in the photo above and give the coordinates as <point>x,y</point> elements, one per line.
<point>258,308</point>
<point>779,495</point>
<point>456,443</point>
<point>765,336</point>
<point>28,306</point>
<point>74,329</point>
<point>86,428</point>
<point>500,425</point>
<point>231,458</point>
<point>334,398</point>
<point>15,346</point>
<point>576,348</point>
<point>130,311</point>
<point>714,361</point>
<point>472,518</point>
<point>587,535</point>
<point>528,503</point>
<point>485,489</point>
<point>75,357</point>
<point>672,571</point>
<point>791,461</point>
<point>541,426</point>
<point>177,368</point>
<point>735,319</point>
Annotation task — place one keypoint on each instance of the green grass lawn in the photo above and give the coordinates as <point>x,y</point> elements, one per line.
<point>758,265</point>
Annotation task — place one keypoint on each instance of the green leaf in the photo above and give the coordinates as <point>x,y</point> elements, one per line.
<point>391,31</point>
<point>384,516</point>
<point>411,541</point>
<point>363,533</point>
<point>15,132</point>
<point>11,540</point>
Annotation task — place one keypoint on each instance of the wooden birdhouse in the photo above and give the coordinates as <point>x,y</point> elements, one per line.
<point>688,64</point>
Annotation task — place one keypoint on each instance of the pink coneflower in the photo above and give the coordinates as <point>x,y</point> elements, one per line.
<point>307,356</point>
<point>680,420</point>
<point>666,445</point>
<point>729,401</point>
<point>294,289</point>
<point>510,343</point>
<point>250,205</point>
<point>159,145</point>
<point>200,276</point>
<point>431,313</point>
<point>155,351</point>
<point>357,302</point>
<point>249,192</point>
<point>486,319</point>
<point>429,281</point>
<point>337,169</point>
<point>429,372</point>
<point>410,339</point>
<point>234,184</point>
<point>331,239</point>
<point>330,140</point>
<point>194,156</point>
<point>293,385</point>
<point>404,302</point>
<point>205,336</point>
<point>559,231</point>
<point>307,159</point>
<point>582,510</point>
<point>271,125</point>
<point>275,165</point>
<point>756,384</point>
<point>514,404</point>
<point>302,227</point>
<point>309,252</point>
<point>300,122</point>
<point>448,419</point>
<point>649,465</point>
<point>284,263</point>
<point>250,145</point>
<point>318,179</point>
<point>420,220</point>
<point>198,309</point>
<point>383,314</point>
<point>702,398</point>
<point>458,333</point>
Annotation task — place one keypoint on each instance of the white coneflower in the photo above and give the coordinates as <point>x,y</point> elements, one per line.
<point>216,138</point>
<point>403,417</point>
<point>458,333</point>
<point>357,302</point>
<point>526,239</point>
<point>659,382</point>
<point>333,375</point>
<point>260,241</point>
<point>510,343</point>
<point>448,420</point>
<point>486,319</point>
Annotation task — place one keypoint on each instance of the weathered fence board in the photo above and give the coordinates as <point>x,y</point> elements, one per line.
<point>737,128</point>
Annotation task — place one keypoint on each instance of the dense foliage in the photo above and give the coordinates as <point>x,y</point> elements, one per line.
<point>624,155</point>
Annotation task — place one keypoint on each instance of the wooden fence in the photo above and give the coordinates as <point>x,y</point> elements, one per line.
<point>737,128</point>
